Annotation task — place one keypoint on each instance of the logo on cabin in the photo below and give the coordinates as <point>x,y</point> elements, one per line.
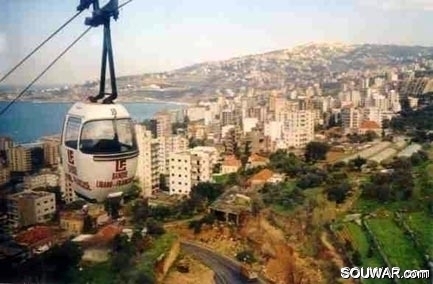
<point>120,165</point>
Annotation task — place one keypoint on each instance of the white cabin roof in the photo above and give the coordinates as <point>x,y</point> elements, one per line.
<point>91,111</point>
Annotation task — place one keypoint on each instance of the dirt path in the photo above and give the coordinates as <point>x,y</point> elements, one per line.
<point>336,258</point>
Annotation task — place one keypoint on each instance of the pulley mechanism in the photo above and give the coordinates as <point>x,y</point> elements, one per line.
<point>102,16</point>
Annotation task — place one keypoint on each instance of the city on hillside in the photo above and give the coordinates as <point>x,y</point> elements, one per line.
<point>330,177</point>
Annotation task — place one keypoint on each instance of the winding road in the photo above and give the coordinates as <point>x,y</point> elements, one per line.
<point>226,270</point>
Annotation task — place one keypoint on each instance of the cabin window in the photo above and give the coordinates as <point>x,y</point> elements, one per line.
<point>108,136</point>
<point>72,132</point>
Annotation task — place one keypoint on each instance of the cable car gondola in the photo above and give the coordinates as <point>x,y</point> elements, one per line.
<point>99,148</point>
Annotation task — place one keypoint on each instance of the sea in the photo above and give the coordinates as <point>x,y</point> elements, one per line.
<point>26,122</point>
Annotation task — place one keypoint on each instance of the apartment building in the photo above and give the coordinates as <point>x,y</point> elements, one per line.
<point>5,175</point>
<point>68,193</point>
<point>161,125</point>
<point>180,178</point>
<point>41,181</point>
<point>191,167</point>
<point>351,119</point>
<point>20,159</point>
<point>30,207</point>
<point>148,168</point>
<point>298,129</point>
<point>6,143</point>
<point>51,153</point>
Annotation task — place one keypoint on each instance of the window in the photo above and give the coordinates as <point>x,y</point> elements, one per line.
<point>108,136</point>
<point>72,132</point>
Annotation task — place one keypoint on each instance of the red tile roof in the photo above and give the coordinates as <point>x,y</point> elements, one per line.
<point>231,161</point>
<point>34,235</point>
<point>368,124</point>
<point>262,176</point>
<point>257,158</point>
<point>107,233</point>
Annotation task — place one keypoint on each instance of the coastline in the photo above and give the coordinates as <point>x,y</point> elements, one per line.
<point>120,102</point>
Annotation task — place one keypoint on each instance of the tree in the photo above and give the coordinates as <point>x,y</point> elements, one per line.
<point>285,162</point>
<point>207,190</point>
<point>246,256</point>
<point>154,227</point>
<point>358,162</point>
<point>61,259</point>
<point>316,151</point>
<point>338,193</point>
<point>121,254</point>
<point>88,225</point>
<point>356,258</point>
<point>112,206</point>
<point>140,211</point>
<point>370,135</point>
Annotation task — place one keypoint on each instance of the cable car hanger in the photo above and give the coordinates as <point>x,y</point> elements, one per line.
<point>102,16</point>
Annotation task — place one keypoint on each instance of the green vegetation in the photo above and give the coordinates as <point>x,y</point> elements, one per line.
<point>58,265</point>
<point>396,185</point>
<point>361,242</point>
<point>246,256</point>
<point>283,196</point>
<point>422,225</point>
<point>362,138</point>
<point>146,262</point>
<point>396,245</point>
<point>97,273</point>
<point>126,264</point>
<point>410,120</point>
<point>316,151</point>
<point>208,219</point>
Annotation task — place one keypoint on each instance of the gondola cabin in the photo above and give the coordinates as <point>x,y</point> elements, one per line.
<point>99,150</point>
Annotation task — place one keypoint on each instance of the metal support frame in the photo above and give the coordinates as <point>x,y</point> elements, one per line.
<point>102,16</point>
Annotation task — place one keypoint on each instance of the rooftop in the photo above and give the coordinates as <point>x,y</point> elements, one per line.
<point>263,175</point>
<point>257,158</point>
<point>34,235</point>
<point>232,201</point>
<point>29,194</point>
<point>368,124</point>
<point>231,161</point>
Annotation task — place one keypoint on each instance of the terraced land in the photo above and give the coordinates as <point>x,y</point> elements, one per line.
<point>398,247</point>
<point>359,239</point>
<point>422,225</point>
<point>369,152</point>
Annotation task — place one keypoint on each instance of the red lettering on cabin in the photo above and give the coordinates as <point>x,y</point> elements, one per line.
<point>120,175</point>
<point>120,165</point>
<point>81,183</point>
<point>124,181</point>
<point>71,157</point>
<point>104,184</point>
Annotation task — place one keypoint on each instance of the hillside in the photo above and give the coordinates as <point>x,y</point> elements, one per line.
<point>285,69</point>
<point>297,67</point>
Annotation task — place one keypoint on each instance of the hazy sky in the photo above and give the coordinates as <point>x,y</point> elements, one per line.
<point>152,36</point>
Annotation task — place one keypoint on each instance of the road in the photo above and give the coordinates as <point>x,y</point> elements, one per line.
<point>226,270</point>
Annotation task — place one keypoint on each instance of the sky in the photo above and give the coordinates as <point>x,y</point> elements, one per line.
<point>155,36</point>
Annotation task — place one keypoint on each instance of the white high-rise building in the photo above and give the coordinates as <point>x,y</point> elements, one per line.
<point>172,144</point>
<point>68,194</point>
<point>298,128</point>
<point>249,123</point>
<point>180,173</point>
<point>373,114</point>
<point>148,160</point>
<point>351,119</point>
<point>191,167</point>
<point>274,130</point>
